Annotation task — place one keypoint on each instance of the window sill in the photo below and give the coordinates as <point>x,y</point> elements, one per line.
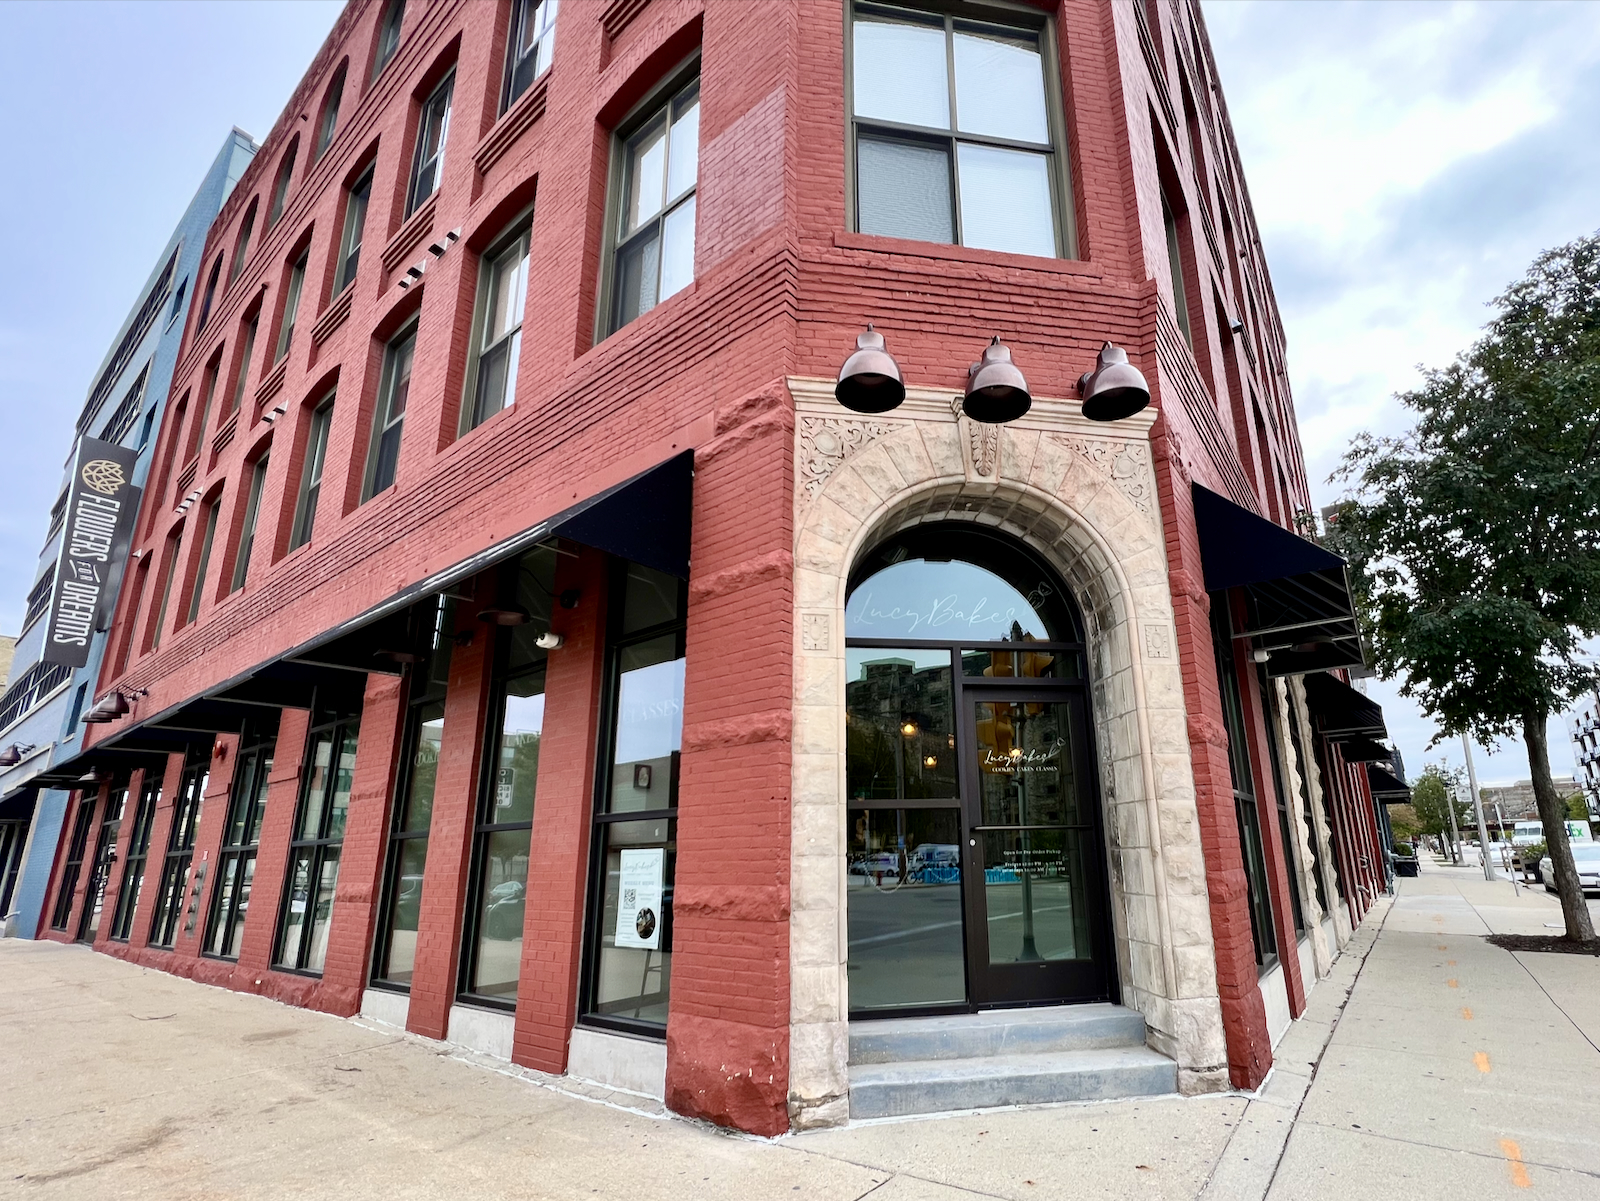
<point>408,236</point>
<point>335,315</point>
<point>273,384</point>
<point>512,124</point>
<point>845,240</point>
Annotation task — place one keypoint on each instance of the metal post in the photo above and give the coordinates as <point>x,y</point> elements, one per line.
<point>1516,889</point>
<point>1477,809</point>
<point>1451,800</point>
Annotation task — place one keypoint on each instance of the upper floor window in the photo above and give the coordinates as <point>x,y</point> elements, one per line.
<point>388,35</point>
<point>1180,285</point>
<point>252,515</point>
<point>329,124</point>
<point>355,223</point>
<point>280,190</point>
<point>528,49</point>
<point>203,564</point>
<point>241,248</point>
<point>393,389</point>
<point>953,133</point>
<point>241,381</point>
<point>291,306</point>
<point>433,129</point>
<point>497,331</point>
<point>655,207</point>
<point>305,510</point>
<point>210,293</point>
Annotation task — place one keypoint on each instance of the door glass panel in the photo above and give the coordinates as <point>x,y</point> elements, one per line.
<point>1025,665</point>
<point>1033,883</point>
<point>899,724</point>
<point>904,902</point>
<point>1026,774</point>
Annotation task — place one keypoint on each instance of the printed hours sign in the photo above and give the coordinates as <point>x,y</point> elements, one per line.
<point>101,504</point>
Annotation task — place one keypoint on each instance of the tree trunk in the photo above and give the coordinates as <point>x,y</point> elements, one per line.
<point>1553,813</point>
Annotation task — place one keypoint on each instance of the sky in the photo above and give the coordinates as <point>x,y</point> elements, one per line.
<point>1405,161</point>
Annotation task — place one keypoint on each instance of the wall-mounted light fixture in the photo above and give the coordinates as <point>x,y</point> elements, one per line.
<point>1114,389</point>
<point>110,707</point>
<point>549,640</point>
<point>870,380</point>
<point>996,391</point>
<point>506,615</point>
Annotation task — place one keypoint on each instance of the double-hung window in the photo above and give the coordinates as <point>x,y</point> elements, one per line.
<point>954,133</point>
<point>242,380</point>
<point>1180,285</point>
<point>252,514</point>
<point>355,221</point>
<point>305,512</point>
<point>180,849</point>
<point>389,419</point>
<point>291,306</point>
<point>388,35</point>
<point>236,862</point>
<point>72,866</point>
<point>433,131</point>
<point>280,190</point>
<point>208,535</point>
<point>497,332</point>
<point>210,294</point>
<point>654,254</point>
<point>395,954</point>
<point>138,851</point>
<point>241,249</point>
<point>168,570</point>
<point>314,849</point>
<point>329,124</point>
<point>530,46</point>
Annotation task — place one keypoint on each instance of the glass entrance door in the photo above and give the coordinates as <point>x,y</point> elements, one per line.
<point>1035,926</point>
<point>105,852</point>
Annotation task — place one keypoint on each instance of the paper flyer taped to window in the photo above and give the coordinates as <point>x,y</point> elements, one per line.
<point>639,900</point>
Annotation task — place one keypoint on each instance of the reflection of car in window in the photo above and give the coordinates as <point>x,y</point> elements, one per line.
<point>408,902</point>
<point>502,916</point>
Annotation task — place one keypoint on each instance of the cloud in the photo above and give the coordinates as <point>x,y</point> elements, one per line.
<point>1406,161</point>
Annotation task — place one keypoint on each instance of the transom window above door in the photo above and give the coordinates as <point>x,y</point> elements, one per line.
<point>955,133</point>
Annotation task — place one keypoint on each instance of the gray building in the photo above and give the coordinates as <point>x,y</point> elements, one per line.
<point>43,703</point>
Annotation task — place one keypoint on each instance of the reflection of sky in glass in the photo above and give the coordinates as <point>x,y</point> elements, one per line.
<point>650,712</point>
<point>860,659</point>
<point>524,714</point>
<point>955,601</point>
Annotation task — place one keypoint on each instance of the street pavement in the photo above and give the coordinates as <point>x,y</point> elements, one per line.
<point>1430,1064</point>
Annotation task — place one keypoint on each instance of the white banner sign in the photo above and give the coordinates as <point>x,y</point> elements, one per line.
<point>639,899</point>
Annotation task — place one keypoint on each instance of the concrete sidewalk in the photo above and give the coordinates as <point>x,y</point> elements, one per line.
<point>121,1082</point>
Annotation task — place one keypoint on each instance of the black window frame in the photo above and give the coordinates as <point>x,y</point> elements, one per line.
<point>128,891</point>
<point>177,861</point>
<point>617,641</point>
<point>315,845</point>
<point>354,232</point>
<point>1003,18</point>
<point>389,30</point>
<point>517,79</point>
<point>241,842</point>
<point>72,866</point>
<point>383,468</point>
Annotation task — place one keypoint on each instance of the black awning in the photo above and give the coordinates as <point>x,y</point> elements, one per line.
<point>1385,787</point>
<point>1364,750</point>
<point>1340,712</point>
<point>98,759</point>
<point>1297,598</point>
<point>17,805</point>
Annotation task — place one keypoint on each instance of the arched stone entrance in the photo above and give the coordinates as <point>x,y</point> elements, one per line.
<point>1083,497</point>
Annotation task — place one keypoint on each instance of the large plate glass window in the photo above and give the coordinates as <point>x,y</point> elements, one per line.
<point>72,866</point>
<point>105,851</point>
<point>530,46</point>
<point>236,861</point>
<point>173,894</point>
<point>655,207</point>
<point>389,419</point>
<point>491,959</point>
<point>955,132</point>
<point>144,818</point>
<point>497,330</point>
<point>635,836</point>
<point>316,842</point>
<point>433,131</point>
<point>395,953</point>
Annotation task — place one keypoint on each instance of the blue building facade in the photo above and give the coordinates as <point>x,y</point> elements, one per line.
<point>43,703</point>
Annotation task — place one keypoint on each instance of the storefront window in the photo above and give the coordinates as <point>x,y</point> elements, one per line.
<point>180,848</point>
<point>314,850</point>
<point>502,839</point>
<point>635,835</point>
<point>138,851</point>
<point>396,947</point>
<point>236,862</point>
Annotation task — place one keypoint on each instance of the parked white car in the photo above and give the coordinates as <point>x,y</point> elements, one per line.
<point>1586,858</point>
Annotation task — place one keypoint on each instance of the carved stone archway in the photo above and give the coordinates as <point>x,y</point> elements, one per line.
<point>1084,496</point>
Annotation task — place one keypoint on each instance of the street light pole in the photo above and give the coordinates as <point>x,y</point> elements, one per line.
<point>1477,808</point>
<point>1451,800</point>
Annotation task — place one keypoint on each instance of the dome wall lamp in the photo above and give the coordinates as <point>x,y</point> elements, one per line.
<point>870,380</point>
<point>1114,389</point>
<point>996,391</point>
<point>108,708</point>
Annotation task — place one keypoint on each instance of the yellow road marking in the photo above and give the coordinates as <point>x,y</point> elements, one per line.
<point>1466,1013</point>
<point>1481,1058</point>
<point>1452,982</point>
<point>1513,1154</point>
<point>1450,963</point>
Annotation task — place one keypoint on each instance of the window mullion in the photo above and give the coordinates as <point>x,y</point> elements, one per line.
<point>955,158</point>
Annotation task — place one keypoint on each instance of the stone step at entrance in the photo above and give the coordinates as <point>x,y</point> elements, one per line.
<point>904,1066</point>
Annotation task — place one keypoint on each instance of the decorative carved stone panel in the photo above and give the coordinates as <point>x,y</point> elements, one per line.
<point>824,443</point>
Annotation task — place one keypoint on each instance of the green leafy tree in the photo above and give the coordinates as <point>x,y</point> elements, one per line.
<point>1474,539</point>
<point>1577,808</point>
<point>1431,799</point>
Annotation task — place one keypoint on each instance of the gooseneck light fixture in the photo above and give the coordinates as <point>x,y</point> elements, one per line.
<point>996,391</point>
<point>108,708</point>
<point>1114,389</point>
<point>870,380</point>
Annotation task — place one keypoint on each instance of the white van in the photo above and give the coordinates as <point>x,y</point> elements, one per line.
<point>1525,834</point>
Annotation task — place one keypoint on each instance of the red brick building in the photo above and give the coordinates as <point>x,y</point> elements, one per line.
<point>523,646</point>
